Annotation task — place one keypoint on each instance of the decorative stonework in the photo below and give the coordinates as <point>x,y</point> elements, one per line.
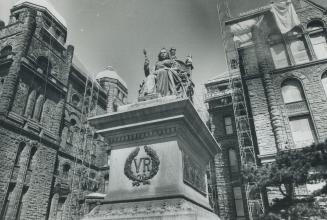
<point>150,166</point>
<point>138,210</point>
<point>193,175</point>
<point>142,135</point>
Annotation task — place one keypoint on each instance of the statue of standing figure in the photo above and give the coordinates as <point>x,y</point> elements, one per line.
<point>169,77</point>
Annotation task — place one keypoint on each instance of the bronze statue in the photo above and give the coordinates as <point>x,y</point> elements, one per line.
<point>169,77</point>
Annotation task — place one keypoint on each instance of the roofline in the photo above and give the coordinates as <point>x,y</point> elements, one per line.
<point>40,8</point>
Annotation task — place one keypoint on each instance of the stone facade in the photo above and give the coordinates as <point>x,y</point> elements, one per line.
<point>52,165</point>
<point>264,78</point>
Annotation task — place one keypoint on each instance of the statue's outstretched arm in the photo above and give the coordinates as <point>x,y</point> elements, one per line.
<point>146,64</point>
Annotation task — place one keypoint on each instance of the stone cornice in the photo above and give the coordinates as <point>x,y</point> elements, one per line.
<point>149,113</point>
<point>299,66</point>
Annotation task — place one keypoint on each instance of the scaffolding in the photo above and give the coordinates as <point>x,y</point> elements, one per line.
<point>247,152</point>
<point>83,152</point>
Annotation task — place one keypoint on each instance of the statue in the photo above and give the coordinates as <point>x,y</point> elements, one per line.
<point>169,77</point>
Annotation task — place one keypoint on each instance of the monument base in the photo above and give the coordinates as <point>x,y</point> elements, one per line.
<point>164,209</point>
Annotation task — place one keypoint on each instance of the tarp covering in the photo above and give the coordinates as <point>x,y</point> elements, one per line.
<point>242,30</point>
<point>285,16</point>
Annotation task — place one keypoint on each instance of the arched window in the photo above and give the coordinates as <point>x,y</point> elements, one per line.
<point>278,51</point>
<point>19,153</point>
<point>30,104</point>
<point>299,118</point>
<point>324,82</point>
<point>75,100</point>
<point>292,91</point>
<point>71,131</point>
<point>38,107</point>
<point>298,46</point>
<point>6,51</point>
<point>44,64</point>
<point>317,36</point>
<point>65,170</point>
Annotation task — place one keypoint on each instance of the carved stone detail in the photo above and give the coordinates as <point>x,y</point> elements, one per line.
<point>142,135</point>
<point>152,164</point>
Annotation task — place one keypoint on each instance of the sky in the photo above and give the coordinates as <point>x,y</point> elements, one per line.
<point>114,32</point>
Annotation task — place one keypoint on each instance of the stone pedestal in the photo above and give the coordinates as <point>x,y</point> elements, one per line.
<point>160,152</point>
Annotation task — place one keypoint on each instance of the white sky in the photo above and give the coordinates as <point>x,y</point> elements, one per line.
<point>114,32</point>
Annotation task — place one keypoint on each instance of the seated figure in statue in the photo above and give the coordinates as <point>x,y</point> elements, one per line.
<point>169,77</point>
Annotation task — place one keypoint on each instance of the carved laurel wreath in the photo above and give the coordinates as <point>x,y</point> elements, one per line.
<point>137,180</point>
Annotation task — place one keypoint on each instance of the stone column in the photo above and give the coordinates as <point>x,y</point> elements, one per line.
<point>59,111</point>
<point>265,68</point>
<point>23,42</point>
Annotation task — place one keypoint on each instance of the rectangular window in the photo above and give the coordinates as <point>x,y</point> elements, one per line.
<point>302,131</point>
<point>279,55</point>
<point>238,199</point>
<point>228,125</point>
<point>299,51</point>
<point>319,45</point>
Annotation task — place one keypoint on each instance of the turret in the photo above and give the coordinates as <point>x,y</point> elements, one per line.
<point>115,86</point>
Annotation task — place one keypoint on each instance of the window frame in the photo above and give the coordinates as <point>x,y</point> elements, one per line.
<point>231,125</point>
<point>320,30</point>
<point>290,37</point>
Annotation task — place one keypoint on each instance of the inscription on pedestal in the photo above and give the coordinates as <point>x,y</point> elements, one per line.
<point>141,168</point>
<point>193,175</point>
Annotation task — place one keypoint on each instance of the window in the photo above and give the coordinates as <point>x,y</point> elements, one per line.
<point>278,51</point>
<point>298,46</point>
<point>44,64</point>
<point>300,123</point>
<point>38,107</point>
<point>228,125</point>
<point>318,38</point>
<point>65,170</point>
<point>292,91</point>
<point>238,199</point>
<point>324,82</point>
<point>302,131</point>
<point>75,100</point>
<point>6,51</point>
<point>233,163</point>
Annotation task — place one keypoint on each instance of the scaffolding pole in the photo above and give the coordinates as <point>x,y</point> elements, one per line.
<point>247,152</point>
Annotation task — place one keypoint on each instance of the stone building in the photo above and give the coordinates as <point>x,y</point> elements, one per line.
<point>284,78</point>
<point>52,165</point>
